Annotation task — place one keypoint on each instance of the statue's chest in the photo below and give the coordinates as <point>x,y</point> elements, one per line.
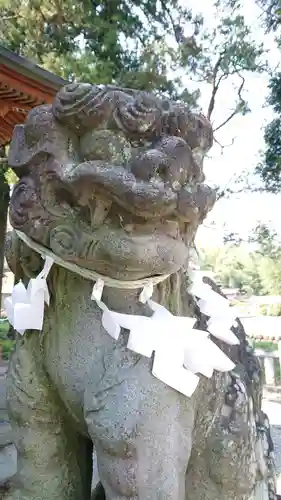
<point>75,346</point>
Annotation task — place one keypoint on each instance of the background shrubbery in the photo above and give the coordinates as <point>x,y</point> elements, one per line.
<point>6,345</point>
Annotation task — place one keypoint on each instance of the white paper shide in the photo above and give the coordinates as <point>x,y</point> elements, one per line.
<point>180,351</point>
<point>25,306</point>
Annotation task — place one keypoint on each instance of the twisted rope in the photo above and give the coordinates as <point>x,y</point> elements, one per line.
<point>89,274</point>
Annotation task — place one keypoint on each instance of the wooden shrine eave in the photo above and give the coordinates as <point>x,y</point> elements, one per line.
<point>23,85</point>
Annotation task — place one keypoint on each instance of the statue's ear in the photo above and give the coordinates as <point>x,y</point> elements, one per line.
<point>40,135</point>
<point>30,139</point>
<point>19,154</point>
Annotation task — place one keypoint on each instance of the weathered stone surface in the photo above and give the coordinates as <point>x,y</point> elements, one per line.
<point>233,457</point>
<point>111,179</point>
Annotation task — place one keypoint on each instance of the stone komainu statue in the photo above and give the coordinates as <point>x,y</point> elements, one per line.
<point>111,179</point>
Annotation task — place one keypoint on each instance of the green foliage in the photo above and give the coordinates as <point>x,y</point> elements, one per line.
<point>266,240</point>
<point>100,41</point>
<point>11,177</point>
<point>266,346</point>
<point>254,269</point>
<point>269,252</point>
<point>270,275</point>
<point>7,348</point>
<point>6,344</point>
<point>234,267</point>
<point>228,52</point>
<point>4,328</point>
<point>146,44</point>
<point>272,310</point>
<point>269,168</point>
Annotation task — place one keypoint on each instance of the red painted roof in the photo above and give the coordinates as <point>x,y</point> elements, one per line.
<point>23,85</point>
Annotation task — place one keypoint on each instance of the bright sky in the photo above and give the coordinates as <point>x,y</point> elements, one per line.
<point>240,214</point>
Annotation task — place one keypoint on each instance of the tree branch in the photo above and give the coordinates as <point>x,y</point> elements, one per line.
<point>225,145</point>
<point>168,12</point>
<point>228,191</point>
<point>226,120</point>
<point>215,87</point>
<point>235,111</point>
<point>236,179</point>
<point>272,20</point>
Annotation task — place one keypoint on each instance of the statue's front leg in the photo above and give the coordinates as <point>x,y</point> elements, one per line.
<point>142,432</point>
<point>53,461</point>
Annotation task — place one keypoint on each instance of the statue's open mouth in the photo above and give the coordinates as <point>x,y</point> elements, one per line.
<point>132,169</point>
<point>136,229</point>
